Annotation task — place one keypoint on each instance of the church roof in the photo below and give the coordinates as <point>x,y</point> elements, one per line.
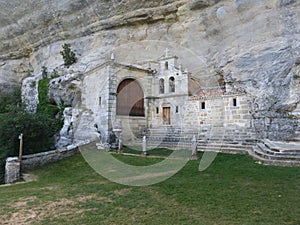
<point>213,92</point>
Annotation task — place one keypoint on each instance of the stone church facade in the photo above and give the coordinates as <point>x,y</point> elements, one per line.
<point>168,105</point>
<point>161,95</point>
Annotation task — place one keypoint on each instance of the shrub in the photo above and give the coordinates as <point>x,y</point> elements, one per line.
<point>54,74</point>
<point>68,55</point>
<point>51,110</point>
<point>44,72</point>
<point>38,129</point>
<point>10,98</point>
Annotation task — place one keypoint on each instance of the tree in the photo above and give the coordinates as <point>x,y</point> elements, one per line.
<point>38,129</point>
<point>7,99</point>
<point>68,55</point>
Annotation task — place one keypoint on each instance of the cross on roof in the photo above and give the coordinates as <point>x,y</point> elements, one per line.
<point>167,53</point>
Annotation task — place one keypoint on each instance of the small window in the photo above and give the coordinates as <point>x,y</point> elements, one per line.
<point>177,109</point>
<point>100,100</point>
<point>157,110</point>
<point>202,105</point>
<point>161,86</point>
<point>234,102</point>
<point>172,84</point>
<point>166,65</point>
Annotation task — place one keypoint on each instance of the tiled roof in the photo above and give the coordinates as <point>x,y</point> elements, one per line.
<point>213,92</point>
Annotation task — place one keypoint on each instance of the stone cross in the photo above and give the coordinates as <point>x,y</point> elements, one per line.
<point>167,53</point>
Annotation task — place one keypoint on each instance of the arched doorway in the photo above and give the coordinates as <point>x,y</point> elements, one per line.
<point>130,98</point>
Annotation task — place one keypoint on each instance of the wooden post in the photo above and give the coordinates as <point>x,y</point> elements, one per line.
<point>21,148</point>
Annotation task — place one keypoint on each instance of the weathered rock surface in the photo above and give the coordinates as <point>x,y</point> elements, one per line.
<point>254,44</point>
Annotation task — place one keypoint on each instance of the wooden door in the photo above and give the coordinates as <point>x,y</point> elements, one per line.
<point>167,115</point>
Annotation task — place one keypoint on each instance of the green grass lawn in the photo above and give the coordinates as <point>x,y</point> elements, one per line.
<point>233,190</point>
<point>156,151</point>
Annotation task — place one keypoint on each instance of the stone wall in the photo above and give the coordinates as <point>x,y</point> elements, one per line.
<point>176,104</point>
<point>276,128</point>
<point>12,170</point>
<point>12,167</point>
<point>40,159</point>
<point>226,110</point>
<point>132,127</point>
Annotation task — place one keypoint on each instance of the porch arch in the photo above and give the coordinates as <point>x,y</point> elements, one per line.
<point>130,98</point>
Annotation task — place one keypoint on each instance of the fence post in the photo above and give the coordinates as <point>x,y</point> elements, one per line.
<point>21,148</point>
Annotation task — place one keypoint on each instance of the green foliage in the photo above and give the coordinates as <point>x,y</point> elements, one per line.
<point>4,153</point>
<point>9,101</point>
<point>15,120</point>
<point>43,89</point>
<point>35,127</point>
<point>33,83</point>
<point>68,55</point>
<point>54,74</point>
<point>296,76</point>
<point>10,98</point>
<point>38,129</point>
<point>44,72</point>
<point>50,109</point>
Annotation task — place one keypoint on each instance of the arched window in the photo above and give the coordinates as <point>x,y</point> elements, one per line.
<point>130,98</point>
<point>161,86</point>
<point>172,84</point>
<point>166,65</point>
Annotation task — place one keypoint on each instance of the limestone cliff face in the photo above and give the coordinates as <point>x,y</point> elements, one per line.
<point>252,44</point>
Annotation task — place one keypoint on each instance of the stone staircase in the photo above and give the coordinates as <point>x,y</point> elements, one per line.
<point>217,139</point>
<point>226,139</point>
<point>277,152</point>
<point>170,137</point>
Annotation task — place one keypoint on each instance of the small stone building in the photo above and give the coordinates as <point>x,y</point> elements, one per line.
<point>157,96</point>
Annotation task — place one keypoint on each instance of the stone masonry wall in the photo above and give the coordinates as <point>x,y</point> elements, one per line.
<point>12,167</point>
<point>221,111</point>
<point>40,159</point>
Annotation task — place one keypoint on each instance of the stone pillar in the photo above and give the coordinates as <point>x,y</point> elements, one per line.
<point>112,95</point>
<point>118,130</point>
<point>120,144</point>
<point>144,153</point>
<point>194,148</point>
<point>12,170</point>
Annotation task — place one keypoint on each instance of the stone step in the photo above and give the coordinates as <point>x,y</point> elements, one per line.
<point>267,150</point>
<point>219,146</point>
<point>297,139</point>
<point>282,146</point>
<point>224,141</point>
<point>224,149</point>
<point>231,139</point>
<point>234,145</point>
<point>229,135</point>
<point>273,162</point>
<point>258,151</point>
